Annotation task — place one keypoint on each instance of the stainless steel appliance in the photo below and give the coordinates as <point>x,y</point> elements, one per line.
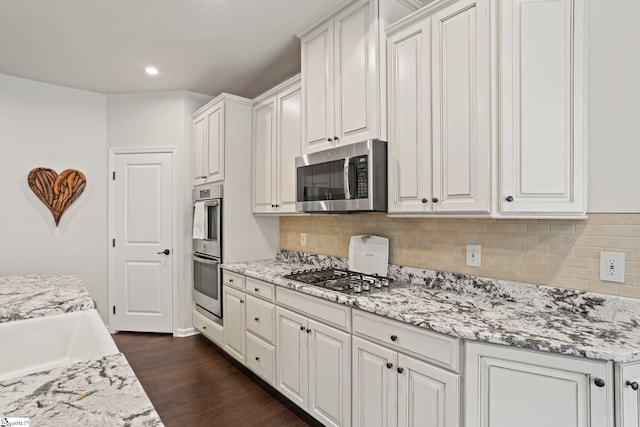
<point>344,281</point>
<point>349,178</point>
<point>207,250</point>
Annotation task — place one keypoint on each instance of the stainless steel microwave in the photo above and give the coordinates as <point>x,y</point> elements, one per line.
<point>349,178</point>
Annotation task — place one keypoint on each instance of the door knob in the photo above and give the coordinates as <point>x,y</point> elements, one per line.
<point>166,252</point>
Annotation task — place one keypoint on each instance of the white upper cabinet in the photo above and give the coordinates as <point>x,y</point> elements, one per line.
<point>208,144</point>
<point>439,103</point>
<point>342,82</point>
<point>543,106</point>
<point>276,144</point>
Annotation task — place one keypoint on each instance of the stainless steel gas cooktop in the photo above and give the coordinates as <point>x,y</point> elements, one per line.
<point>344,281</point>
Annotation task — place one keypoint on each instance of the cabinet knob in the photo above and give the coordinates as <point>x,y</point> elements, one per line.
<point>257,319</point>
<point>509,199</point>
<point>273,206</point>
<point>204,327</point>
<point>230,280</point>
<point>633,385</point>
<point>257,358</point>
<point>599,382</point>
<point>389,365</point>
<point>394,338</point>
<point>400,370</point>
<point>256,289</point>
<point>241,301</point>
<point>424,200</point>
<point>335,138</point>
<point>329,139</point>
<point>308,330</point>
<point>203,176</point>
<point>302,328</point>
<point>434,200</point>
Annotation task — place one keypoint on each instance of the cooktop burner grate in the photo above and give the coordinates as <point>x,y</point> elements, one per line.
<point>345,281</point>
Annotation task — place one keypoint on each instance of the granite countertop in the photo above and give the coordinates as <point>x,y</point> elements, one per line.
<point>97,393</point>
<point>25,297</point>
<point>542,318</point>
<point>102,392</point>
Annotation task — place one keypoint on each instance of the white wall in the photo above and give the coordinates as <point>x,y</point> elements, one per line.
<point>163,119</point>
<point>43,125</point>
<point>614,110</point>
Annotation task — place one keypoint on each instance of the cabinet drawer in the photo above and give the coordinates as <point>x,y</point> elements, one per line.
<point>260,317</point>
<point>235,280</point>
<point>261,358</point>
<point>436,348</point>
<point>208,328</point>
<point>334,314</point>
<point>261,289</point>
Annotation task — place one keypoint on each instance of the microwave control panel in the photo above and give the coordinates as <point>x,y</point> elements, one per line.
<point>362,174</point>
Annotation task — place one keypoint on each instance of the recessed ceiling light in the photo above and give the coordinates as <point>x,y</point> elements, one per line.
<point>152,71</point>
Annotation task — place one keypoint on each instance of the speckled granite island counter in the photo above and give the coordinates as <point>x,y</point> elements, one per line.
<point>542,318</point>
<point>29,296</point>
<point>101,392</point>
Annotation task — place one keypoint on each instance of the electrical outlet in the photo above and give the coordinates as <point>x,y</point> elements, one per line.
<point>303,239</point>
<point>474,256</point>
<point>612,267</point>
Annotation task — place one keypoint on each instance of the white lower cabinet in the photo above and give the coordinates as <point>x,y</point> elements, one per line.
<point>508,387</point>
<point>628,395</point>
<point>313,366</point>
<point>393,389</point>
<point>233,309</point>
<point>207,327</point>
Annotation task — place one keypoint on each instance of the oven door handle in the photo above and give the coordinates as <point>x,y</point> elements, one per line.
<point>347,193</point>
<point>211,261</point>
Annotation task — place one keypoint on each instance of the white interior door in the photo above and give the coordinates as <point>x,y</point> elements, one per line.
<point>142,208</point>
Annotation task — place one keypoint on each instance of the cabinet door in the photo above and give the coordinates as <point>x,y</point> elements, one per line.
<point>264,142</point>
<point>375,385</point>
<point>292,356</point>
<point>199,142</point>
<point>233,304</point>
<point>329,374</point>
<point>628,399</point>
<point>317,88</point>
<point>260,318</point>
<point>214,149</point>
<point>543,106</point>
<point>427,396</point>
<point>507,387</point>
<point>289,147</point>
<point>409,147</point>
<point>460,73</point>
<point>357,108</point>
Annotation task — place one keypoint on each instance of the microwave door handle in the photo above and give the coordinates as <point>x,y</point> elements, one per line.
<point>347,193</point>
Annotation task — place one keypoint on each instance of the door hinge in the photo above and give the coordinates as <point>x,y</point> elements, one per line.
<point>114,309</point>
<point>113,243</point>
<point>114,175</point>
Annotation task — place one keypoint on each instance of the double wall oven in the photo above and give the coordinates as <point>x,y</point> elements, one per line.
<point>207,250</point>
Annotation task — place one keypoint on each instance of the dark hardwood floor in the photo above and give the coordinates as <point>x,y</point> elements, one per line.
<point>191,382</point>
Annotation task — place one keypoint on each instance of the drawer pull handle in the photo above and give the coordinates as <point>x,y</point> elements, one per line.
<point>633,385</point>
<point>257,319</point>
<point>394,338</point>
<point>400,370</point>
<point>257,359</point>
<point>599,382</point>
<point>302,328</point>
<point>257,289</point>
<point>389,365</point>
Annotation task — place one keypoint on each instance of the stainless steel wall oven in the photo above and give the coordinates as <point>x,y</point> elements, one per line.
<point>207,250</point>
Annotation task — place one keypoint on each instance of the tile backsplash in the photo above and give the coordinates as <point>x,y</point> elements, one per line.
<point>563,253</point>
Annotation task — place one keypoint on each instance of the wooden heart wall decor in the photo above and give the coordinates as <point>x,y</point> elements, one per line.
<point>57,192</point>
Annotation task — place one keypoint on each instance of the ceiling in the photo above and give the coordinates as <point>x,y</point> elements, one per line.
<point>208,46</point>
